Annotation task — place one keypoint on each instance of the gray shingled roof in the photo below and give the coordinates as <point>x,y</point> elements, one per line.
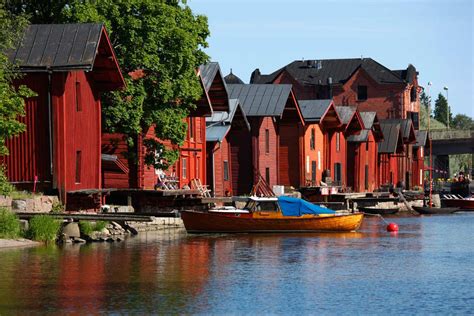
<point>368,119</point>
<point>391,134</point>
<point>216,133</point>
<point>363,136</point>
<point>60,47</point>
<point>313,110</point>
<point>309,72</point>
<point>209,72</point>
<point>421,137</point>
<point>219,124</point>
<point>405,124</point>
<point>261,99</point>
<point>345,113</point>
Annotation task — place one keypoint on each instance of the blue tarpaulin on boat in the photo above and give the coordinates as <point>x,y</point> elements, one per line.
<point>291,206</point>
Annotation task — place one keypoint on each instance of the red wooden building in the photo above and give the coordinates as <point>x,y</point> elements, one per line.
<point>341,159</point>
<point>395,152</point>
<point>358,81</point>
<point>276,139</point>
<point>321,120</point>
<point>419,157</point>
<point>130,171</point>
<point>362,166</point>
<point>225,153</point>
<point>68,66</point>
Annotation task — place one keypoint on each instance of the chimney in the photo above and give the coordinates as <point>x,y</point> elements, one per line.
<point>320,64</point>
<point>330,87</point>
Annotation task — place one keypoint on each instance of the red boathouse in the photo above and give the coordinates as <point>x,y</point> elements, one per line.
<point>124,172</point>
<point>276,132</point>
<point>321,120</point>
<point>362,165</point>
<point>225,153</point>
<point>68,66</point>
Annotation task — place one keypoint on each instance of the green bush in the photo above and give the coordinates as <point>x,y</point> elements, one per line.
<point>57,207</point>
<point>44,228</point>
<point>88,228</point>
<point>9,224</point>
<point>5,187</point>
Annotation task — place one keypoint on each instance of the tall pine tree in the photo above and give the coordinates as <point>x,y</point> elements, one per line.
<point>441,110</point>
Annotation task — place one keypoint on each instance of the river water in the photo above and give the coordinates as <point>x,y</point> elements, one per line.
<point>427,268</point>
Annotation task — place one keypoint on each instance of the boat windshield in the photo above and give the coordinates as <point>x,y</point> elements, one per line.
<point>258,206</point>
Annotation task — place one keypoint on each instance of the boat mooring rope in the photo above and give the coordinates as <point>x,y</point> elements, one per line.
<point>377,215</point>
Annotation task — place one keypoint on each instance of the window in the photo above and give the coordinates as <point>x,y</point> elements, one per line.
<point>415,118</point>
<point>338,141</point>
<point>413,94</point>
<point>78,97</point>
<point>312,140</point>
<point>361,93</point>
<point>366,177</point>
<point>267,175</point>
<point>226,170</point>
<point>184,167</point>
<point>191,128</point>
<point>319,160</point>
<point>267,141</point>
<point>367,145</point>
<point>338,173</point>
<point>78,166</point>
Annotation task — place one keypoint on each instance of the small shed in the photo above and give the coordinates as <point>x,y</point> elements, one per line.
<point>276,131</point>
<point>418,155</point>
<point>362,168</point>
<point>339,155</point>
<point>225,176</point>
<point>321,120</point>
<point>390,150</point>
<point>68,66</point>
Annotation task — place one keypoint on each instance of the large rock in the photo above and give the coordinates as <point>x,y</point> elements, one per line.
<point>71,230</point>
<point>19,205</point>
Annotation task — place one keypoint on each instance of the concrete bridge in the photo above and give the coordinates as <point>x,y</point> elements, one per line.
<point>452,142</point>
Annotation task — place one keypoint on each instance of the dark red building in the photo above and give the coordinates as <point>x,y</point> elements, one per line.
<point>68,66</point>
<point>226,157</point>
<point>362,173</point>
<point>276,132</point>
<point>341,158</point>
<point>363,82</point>
<point>130,171</point>
<point>419,158</point>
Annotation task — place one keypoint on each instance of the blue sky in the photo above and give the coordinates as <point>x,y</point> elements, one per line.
<point>435,36</point>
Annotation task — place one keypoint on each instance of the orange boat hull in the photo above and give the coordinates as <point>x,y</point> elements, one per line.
<point>201,222</point>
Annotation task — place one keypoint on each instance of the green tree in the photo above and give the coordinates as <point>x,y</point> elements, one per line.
<point>441,110</point>
<point>462,121</point>
<point>425,100</point>
<point>164,41</point>
<point>12,104</point>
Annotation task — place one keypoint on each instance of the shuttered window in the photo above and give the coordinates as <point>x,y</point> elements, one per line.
<point>226,170</point>
<point>184,168</point>
<point>78,166</point>
<point>267,141</point>
<point>361,93</point>
<point>78,97</point>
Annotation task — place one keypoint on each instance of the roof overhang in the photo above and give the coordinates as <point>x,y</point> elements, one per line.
<point>355,124</point>
<point>330,119</point>
<point>292,109</point>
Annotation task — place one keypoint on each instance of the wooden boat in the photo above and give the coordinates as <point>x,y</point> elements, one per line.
<point>463,204</point>
<point>378,210</point>
<point>264,215</point>
<point>425,210</point>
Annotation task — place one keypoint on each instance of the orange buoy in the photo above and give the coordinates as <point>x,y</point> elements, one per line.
<point>392,227</point>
